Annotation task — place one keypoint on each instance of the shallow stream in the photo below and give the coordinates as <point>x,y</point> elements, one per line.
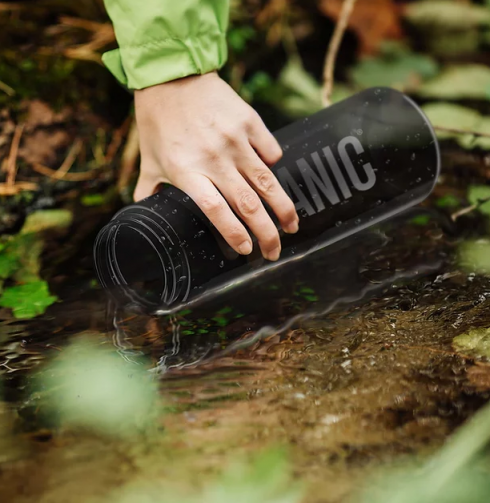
<point>344,359</point>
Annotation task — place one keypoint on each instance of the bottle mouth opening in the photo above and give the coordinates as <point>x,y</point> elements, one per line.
<point>141,260</point>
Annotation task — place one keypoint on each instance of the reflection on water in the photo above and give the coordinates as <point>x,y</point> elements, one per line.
<point>343,274</point>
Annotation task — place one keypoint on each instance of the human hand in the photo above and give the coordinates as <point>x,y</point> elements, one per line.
<point>197,134</point>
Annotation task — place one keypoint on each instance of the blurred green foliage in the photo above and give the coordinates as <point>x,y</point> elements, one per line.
<point>91,386</point>
<point>456,473</point>
<point>265,479</point>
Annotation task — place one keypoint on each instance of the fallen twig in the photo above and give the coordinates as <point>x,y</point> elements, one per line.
<point>333,49</point>
<point>461,131</point>
<point>129,158</point>
<point>117,139</point>
<point>102,34</point>
<point>8,6</point>
<point>85,24</point>
<point>70,158</point>
<point>9,91</point>
<point>469,209</point>
<point>70,177</point>
<point>12,190</point>
<point>12,158</point>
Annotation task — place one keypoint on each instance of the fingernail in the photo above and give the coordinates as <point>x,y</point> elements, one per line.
<point>292,228</point>
<point>245,248</point>
<point>274,254</point>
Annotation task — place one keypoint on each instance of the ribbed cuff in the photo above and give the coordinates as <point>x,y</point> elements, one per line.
<point>164,60</point>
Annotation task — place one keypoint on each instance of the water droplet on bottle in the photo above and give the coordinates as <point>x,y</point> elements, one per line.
<point>339,223</point>
<point>174,211</point>
<point>222,264</point>
<point>413,156</point>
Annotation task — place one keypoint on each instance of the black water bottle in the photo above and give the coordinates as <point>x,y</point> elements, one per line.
<point>347,167</point>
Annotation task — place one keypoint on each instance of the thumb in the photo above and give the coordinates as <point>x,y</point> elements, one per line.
<point>145,187</point>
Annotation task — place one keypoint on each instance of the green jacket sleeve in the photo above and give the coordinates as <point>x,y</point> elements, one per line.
<point>163,40</point>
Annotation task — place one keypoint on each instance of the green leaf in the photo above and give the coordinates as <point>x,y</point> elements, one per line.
<point>306,289</point>
<point>483,142</point>
<point>396,67</point>
<point>448,201</point>
<point>474,256</point>
<point>29,300</point>
<point>27,248</point>
<point>475,342</point>
<point>8,264</point>
<point>47,219</point>
<point>311,298</point>
<point>221,321</point>
<point>421,220</point>
<point>459,82</point>
<point>478,193</point>
<point>300,93</point>
<point>452,116</point>
<point>93,199</point>
<point>225,310</point>
<point>448,15</point>
<point>239,36</point>
<point>306,91</point>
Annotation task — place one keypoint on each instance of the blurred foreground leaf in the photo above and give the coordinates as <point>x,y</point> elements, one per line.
<point>29,300</point>
<point>459,82</point>
<point>267,479</point>
<point>93,387</point>
<point>455,474</point>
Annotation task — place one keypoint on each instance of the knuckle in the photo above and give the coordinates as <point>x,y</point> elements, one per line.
<point>275,151</point>
<point>270,241</point>
<point>289,210</point>
<point>210,203</point>
<point>236,234</point>
<point>249,118</point>
<point>264,180</point>
<point>211,152</point>
<point>248,203</point>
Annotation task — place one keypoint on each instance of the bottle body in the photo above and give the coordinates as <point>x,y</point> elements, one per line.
<point>345,168</point>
